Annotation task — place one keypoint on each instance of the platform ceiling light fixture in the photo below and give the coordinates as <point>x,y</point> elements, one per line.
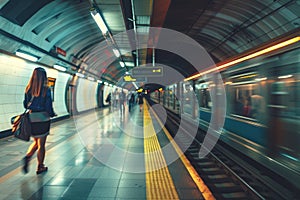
<point>116,52</point>
<point>122,64</point>
<point>98,19</point>
<point>79,75</point>
<point>286,76</point>
<point>134,84</point>
<point>60,68</point>
<point>129,64</point>
<point>26,55</point>
<point>91,78</point>
<point>261,79</point>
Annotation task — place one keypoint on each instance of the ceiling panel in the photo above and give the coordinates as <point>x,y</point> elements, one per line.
<point>224,28</point>
<point>19,12</point>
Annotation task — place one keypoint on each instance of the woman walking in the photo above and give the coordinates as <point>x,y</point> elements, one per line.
<point>38,98</point>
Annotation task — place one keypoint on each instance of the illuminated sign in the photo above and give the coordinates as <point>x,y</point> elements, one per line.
<point>147,71</point>
<point>61,51</point>
<point>129,78</point>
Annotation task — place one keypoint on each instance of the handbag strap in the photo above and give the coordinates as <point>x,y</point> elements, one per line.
<point>29,103</point>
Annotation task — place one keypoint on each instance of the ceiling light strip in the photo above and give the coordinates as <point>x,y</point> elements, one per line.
<point>27,56</point>
<point>99,20</point>
<point>60,68</point>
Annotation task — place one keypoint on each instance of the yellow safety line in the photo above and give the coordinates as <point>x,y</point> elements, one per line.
<point>159,183</point>
<point>206,193</point>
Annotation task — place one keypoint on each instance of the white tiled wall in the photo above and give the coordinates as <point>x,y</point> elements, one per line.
<point>86,95</point>
<point>14,76</point>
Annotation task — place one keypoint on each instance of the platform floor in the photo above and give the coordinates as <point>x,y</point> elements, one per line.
<point>102,155</point>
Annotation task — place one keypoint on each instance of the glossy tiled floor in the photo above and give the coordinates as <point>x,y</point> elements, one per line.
<point>74,149</point>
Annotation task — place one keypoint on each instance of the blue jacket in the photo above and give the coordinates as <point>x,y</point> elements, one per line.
<point>40,103</point>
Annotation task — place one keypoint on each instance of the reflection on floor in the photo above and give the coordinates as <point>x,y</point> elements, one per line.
<point>75,148</point>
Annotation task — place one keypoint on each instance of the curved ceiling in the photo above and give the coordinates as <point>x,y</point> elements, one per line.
<point>224,28</point>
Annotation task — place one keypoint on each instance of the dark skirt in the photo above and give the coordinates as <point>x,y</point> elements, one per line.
<point>40,129</point>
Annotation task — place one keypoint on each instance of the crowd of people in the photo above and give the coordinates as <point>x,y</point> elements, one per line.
<point>119,100</point>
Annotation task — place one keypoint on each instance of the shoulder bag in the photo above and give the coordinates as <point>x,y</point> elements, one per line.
<point>40,122</point>
<point>21,127</point>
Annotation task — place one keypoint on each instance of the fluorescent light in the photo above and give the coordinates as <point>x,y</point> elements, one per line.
<point>91,78</point>
<point>116,52</point>
<point>286,76</point>
<point>60,68</point>
<point>243,82</point>
<point>122,64</point>
<point>27,56</point>
<point>136,87</point>
<point>99,81</point>
<point>129,64</point>
<point>261,79</point>
<point>98,19</point>
<point>79,74</point>
<point>228,83</point>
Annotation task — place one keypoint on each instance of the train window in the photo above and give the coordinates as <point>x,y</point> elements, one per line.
<point>169,97</point>
<point>203,93</point>
<point>248,100</point>
<point>172,97</point>
<point>187,98</point>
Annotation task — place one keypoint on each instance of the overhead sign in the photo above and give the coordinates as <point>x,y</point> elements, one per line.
<point>129,78</point>
<point>147,71</point>
<point>61,51</point>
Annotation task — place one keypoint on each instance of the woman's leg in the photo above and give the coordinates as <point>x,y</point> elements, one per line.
<point>41,150</point>
<point>41,155</point>
<point>32,148</point>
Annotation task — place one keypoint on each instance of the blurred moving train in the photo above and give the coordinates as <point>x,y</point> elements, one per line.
<point>263,104</point>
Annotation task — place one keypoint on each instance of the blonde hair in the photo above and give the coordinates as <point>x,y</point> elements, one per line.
<point>37,83</point>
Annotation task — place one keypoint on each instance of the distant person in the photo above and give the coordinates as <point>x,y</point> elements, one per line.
<point>122,101</point>
<point>38,93</point>
<point>108,99</point>
<point>140,101</point>
<point>131,102</point>
<point>115,98</point>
